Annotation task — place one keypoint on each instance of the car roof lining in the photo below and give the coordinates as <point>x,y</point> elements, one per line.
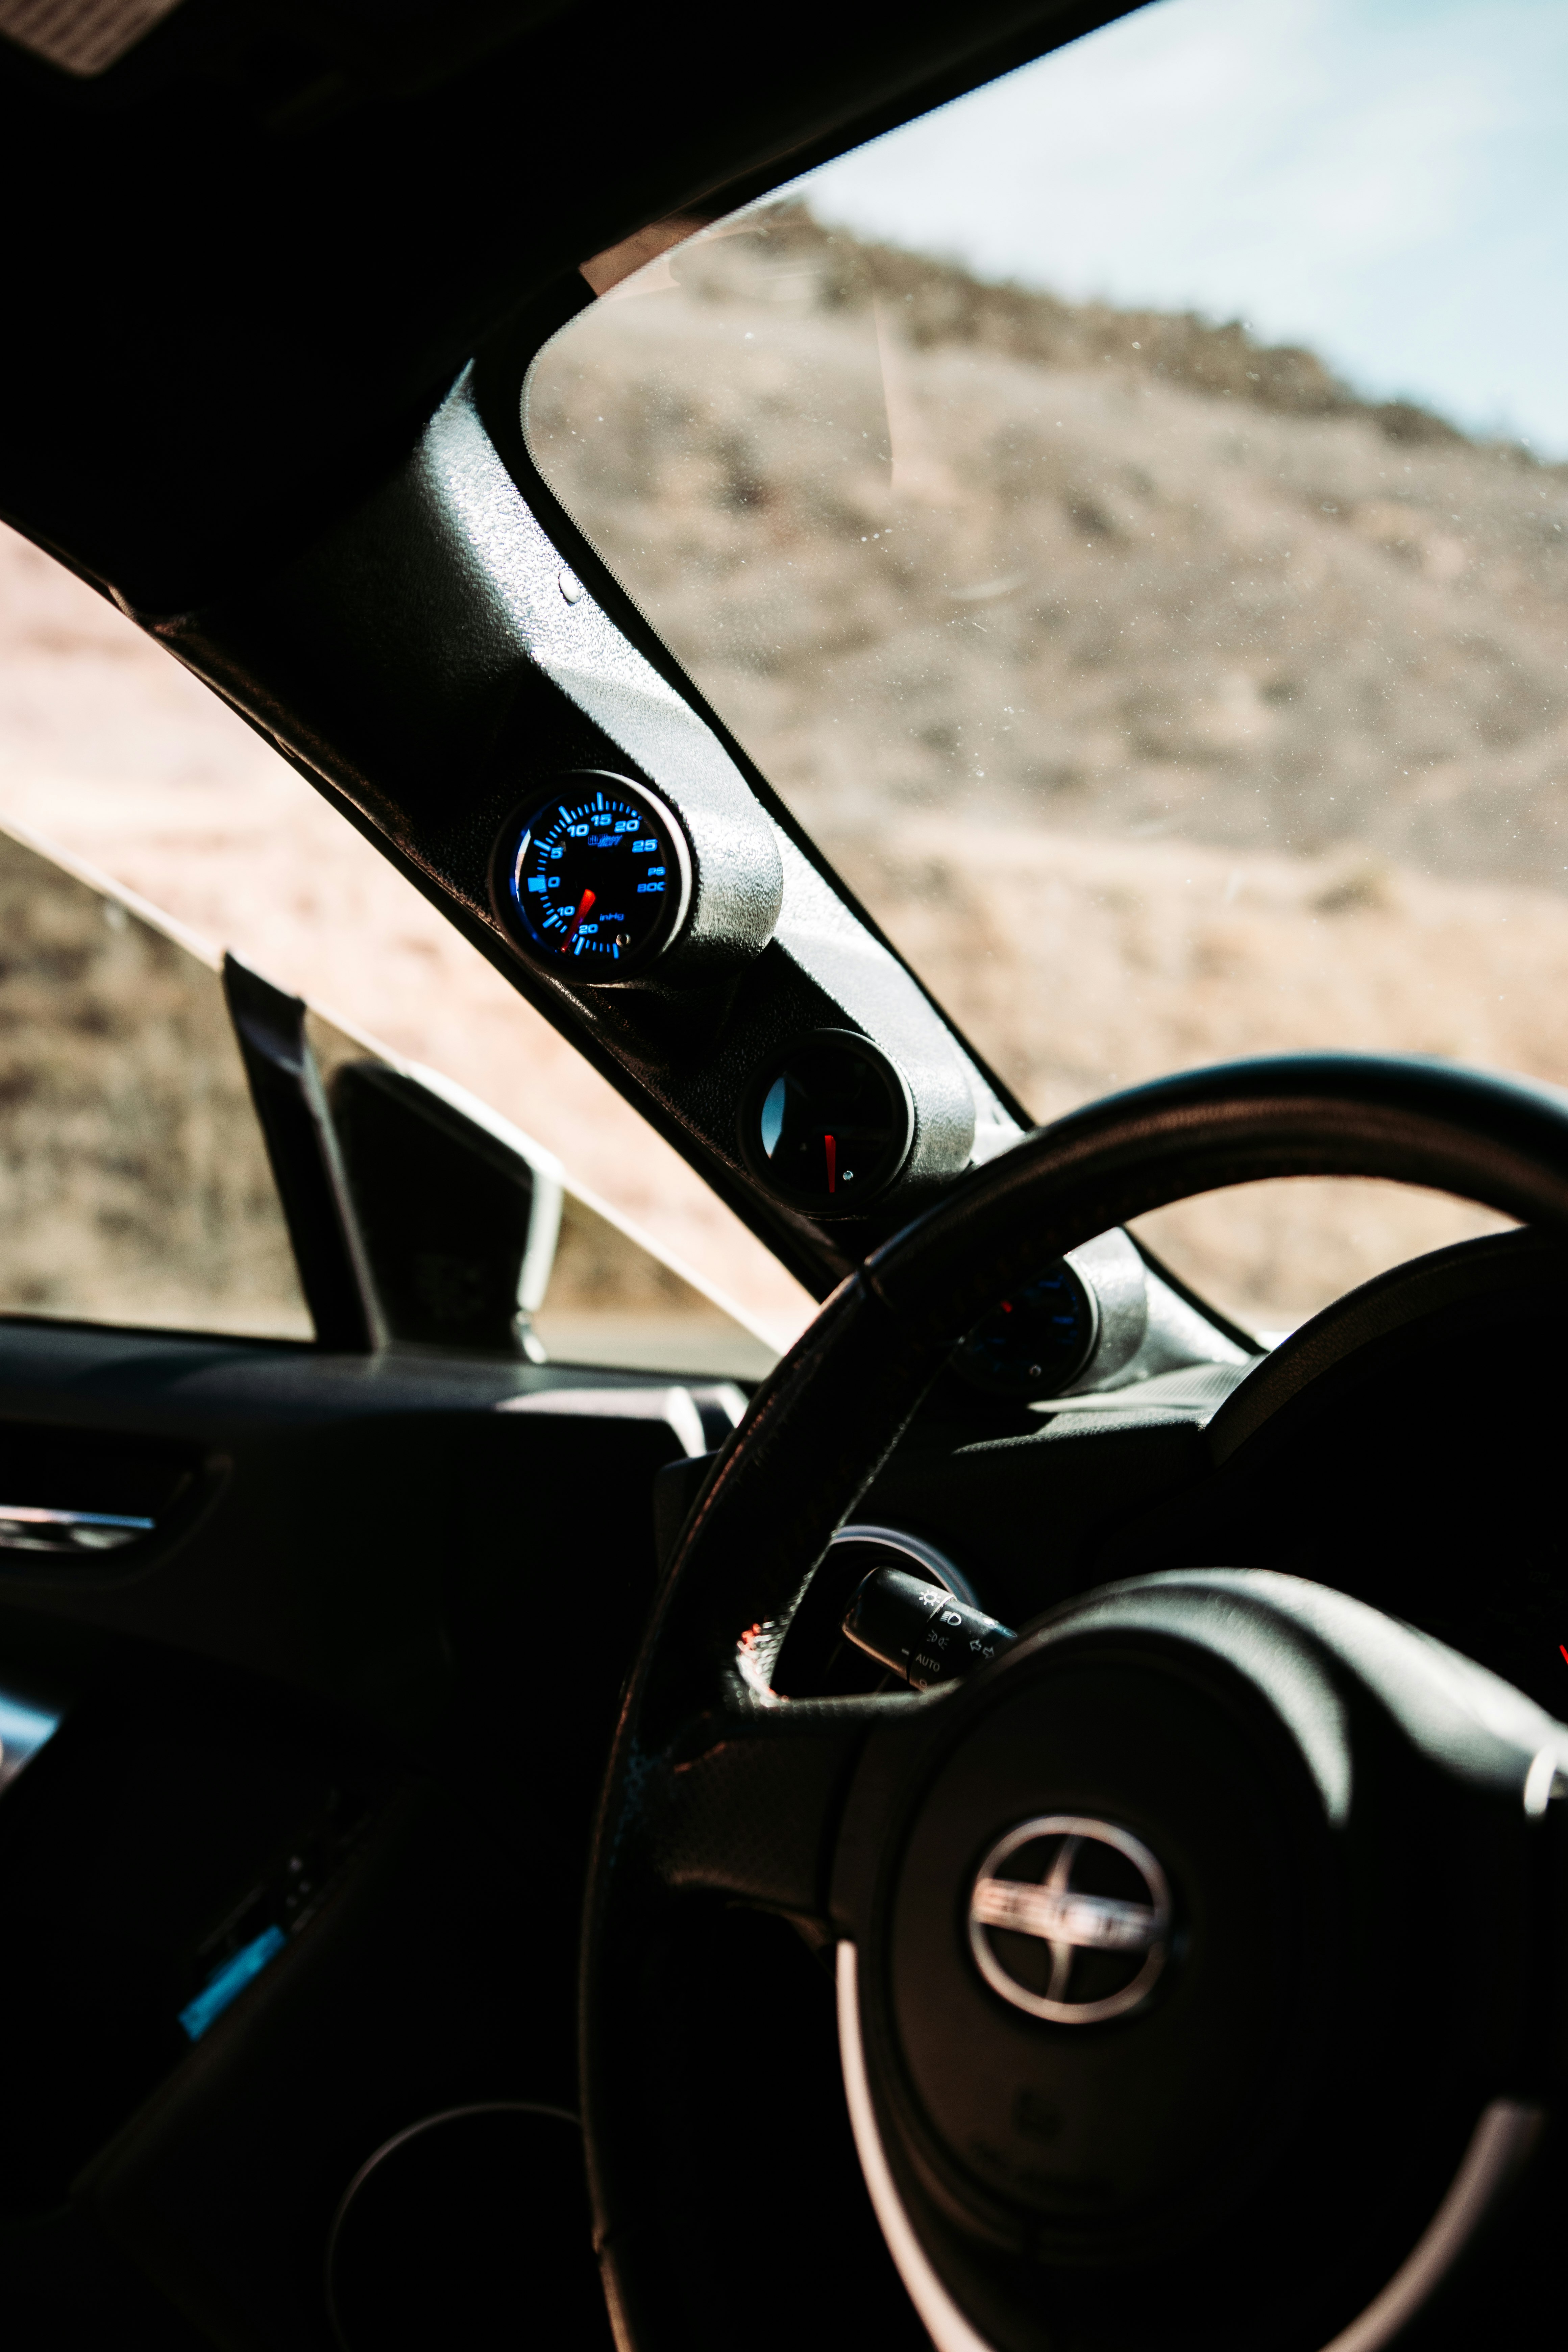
<point>236,318</point>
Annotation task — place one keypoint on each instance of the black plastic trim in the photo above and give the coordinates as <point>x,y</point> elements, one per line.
<point>306,1163</point>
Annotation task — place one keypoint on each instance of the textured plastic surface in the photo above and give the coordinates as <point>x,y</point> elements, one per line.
<point>468,683</point>
<point>923,1633</point>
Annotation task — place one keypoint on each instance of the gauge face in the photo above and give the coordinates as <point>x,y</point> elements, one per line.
<point>1035,1341</point>
<point>830,1126</point>
<point>596,879</point>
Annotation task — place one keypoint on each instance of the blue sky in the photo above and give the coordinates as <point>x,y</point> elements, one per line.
<point>1383,180</point>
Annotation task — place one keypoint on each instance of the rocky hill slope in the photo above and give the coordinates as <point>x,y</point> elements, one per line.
<point>1162,699</point>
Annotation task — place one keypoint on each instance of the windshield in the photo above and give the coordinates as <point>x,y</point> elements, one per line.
<point>1123,515</point>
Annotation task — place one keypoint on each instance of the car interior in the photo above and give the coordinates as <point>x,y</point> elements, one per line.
<point>543,1802</point>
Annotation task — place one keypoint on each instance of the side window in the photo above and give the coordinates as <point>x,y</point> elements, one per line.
<point>137,1187</point>
<point>612,1301</point>
<point>587,1288</point>
<point>134,1182</point>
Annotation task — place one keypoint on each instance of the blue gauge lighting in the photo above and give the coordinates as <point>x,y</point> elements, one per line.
<point>1037,1340</point>
<point>599,878</point>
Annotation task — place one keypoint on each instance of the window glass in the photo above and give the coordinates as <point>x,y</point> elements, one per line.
<point>136,1185</point>
<point>614,1299</point>
<point>1125,514</point>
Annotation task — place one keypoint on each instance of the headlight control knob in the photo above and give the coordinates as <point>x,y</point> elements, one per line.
<point>921,1632</point>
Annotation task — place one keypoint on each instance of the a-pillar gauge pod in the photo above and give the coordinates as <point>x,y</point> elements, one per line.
<point>597,879</point>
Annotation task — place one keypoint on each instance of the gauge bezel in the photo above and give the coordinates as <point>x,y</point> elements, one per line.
<point>766,1078</point>
<point>508,854</point>
<point>1019,1393</point>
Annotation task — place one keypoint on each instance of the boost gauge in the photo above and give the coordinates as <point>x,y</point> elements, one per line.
<point>594,879</point>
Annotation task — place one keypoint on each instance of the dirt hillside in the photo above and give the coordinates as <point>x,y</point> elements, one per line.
<point>1162,699</point>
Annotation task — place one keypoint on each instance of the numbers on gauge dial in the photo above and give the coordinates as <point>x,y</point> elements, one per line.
<point>596,879</point>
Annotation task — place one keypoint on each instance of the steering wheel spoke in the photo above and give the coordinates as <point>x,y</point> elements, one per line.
<point>748,1804</point>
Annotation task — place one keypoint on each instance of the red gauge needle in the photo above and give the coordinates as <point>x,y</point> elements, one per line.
<point>832,1149</point>
<point>589,899</point>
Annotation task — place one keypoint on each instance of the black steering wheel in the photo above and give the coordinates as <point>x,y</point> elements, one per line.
<point>1199,1960</point>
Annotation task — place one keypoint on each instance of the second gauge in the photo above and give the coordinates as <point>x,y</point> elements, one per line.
<point>828,1126</point>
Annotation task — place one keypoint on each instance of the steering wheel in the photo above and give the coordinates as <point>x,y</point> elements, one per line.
<point>1198,1959</point>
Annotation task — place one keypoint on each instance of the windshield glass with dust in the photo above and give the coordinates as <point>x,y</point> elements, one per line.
<point>1124,515</point>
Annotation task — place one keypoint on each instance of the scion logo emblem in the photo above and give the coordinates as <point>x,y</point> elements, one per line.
<point>1070,1919</point>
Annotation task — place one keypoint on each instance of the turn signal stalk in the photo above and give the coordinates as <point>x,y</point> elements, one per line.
<point>920,1631</point>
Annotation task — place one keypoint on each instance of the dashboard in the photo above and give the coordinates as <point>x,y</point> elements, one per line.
<point>301,1743</point>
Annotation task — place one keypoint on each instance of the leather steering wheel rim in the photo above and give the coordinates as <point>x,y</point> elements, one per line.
<point>690,1798</point>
